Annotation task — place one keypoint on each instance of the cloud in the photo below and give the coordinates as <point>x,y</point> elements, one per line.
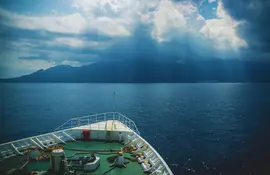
<point>256,28</point>
<point>76,42</point>
<point>171,16</point>
<point>73,23</point>
<point>74,63</point>
<point>113,18</point>
<point>210,1</point>
<point>119,18</point>
<point>223,30</point>
<point>11,66</point>
<point>35,57</point>
<point>106,30</point>
<point>184,18</point>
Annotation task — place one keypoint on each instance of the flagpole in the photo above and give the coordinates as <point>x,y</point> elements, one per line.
<point>114,107</point>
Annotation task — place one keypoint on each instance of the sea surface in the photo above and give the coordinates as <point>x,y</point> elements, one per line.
<point>202,129</point>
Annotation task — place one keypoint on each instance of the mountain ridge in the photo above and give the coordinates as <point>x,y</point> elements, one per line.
<point>153,72</point>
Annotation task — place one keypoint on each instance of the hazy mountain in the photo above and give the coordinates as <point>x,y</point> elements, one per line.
<point>153,71</point>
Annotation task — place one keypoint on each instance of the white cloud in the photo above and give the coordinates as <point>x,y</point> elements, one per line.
<point>111,17</point>
<point>112,27</point>
<point>74,63</point>
<point>73,23</point>
<point>184,18</point>
<point>200,18</point>
<point>76,42</point>
<point>73,42</point>
<point>171,15</point>
<point>223,30</point>
<point>210,1</point>
<point>200,21</point>
<point>119,17</point>
<point>115,6</point>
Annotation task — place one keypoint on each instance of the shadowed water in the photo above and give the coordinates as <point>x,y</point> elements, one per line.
<point>197,128</point>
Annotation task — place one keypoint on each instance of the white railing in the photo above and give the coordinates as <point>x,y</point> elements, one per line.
<point>167,170</point>
<point>90,119</point>
<point>19,147</point>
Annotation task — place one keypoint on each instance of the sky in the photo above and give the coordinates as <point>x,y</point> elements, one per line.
<point>41,34</point>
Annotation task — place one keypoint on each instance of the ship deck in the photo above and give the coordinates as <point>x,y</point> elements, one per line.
<point>108,125</point>
<point>70,148</point>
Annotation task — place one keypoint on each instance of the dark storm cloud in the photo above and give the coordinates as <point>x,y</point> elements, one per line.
<point>38,41</point>
<point>257,26</point>
<point>141,45</point>
<point>8,33</point>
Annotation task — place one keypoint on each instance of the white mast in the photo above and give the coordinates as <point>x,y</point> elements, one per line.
<point>114,106</point>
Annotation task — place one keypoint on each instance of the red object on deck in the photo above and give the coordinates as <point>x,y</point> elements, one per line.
<point>86,134</point>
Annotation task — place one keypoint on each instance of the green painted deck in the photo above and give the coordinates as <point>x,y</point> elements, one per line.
<point>132,168</point>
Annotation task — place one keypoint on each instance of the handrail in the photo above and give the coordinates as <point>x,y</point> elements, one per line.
<point>158,155</point>
<point>90,119</point>
<point>31,138</point>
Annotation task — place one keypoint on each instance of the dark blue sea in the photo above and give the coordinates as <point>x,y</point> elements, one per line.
<point>200,129</point>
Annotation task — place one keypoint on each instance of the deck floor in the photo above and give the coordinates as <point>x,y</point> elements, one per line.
<point>106,125</point>
<point>132,167</point>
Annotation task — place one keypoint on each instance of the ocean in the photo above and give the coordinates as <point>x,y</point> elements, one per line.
<point>204,128</point>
